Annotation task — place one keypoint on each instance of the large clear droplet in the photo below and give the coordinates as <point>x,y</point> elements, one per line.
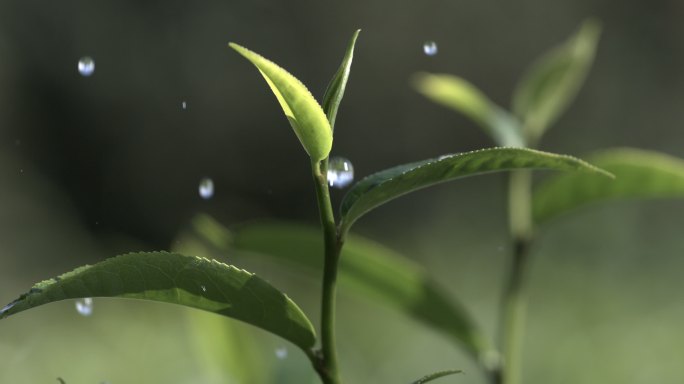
<point>85,306</point>
<point>281,353</point>
<point>206,188</point>
<point>340,172</point>
<point>7,307</point>
<point>86,66</point>
<point>430,48</point>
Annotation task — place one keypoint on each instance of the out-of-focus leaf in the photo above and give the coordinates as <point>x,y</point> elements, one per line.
<point>300,107</point>
<point>552,82</point>
<point>436,375</point>
<point>457,93</point>
<point>186,280</point>
<point>335,91</point>
<point>638,174</point>
<point>366,268</point>
<point>386,185</point>
<point>224,354</point>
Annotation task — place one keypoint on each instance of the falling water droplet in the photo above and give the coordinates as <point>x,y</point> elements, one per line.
<point>430,48</point>
<point>184,105</point>
<point>340,172</point>
<point>281,353</point>
<point>86,66</point>
<point>85,306</point>
<point>206,188</point>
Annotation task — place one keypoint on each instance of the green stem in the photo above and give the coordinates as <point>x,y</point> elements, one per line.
<point>327,365</point>
<point>512,319</point>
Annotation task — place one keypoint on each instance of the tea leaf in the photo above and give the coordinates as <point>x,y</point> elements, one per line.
<point>458,94</point>
<point>303,111</point>
<point>389,184</point>
<point>190,281</point>
<point>638,174</point>
<point>367,269</point>
<point>223,351</point>
<point>553,81</point>
<point>338,84</point>
<point>436,375</point>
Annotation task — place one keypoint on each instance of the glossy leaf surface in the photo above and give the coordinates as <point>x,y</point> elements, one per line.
<point>338,84</point>
<point>186,280</point>
<point>367,268</point>
<point>553,81</point>
<point>300,107</point>
<point>458,94</point>
<point>389,184</point>
<point>638,174</point>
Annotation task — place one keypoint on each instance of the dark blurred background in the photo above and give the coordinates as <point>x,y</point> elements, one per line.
<point>95,166</point>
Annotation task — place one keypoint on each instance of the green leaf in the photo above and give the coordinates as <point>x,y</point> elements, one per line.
<point>367,268</point>
<point>186,280</point>
<point>302,110</point>
<point>335,91</point>
<point>389,184</point>
<point>436,375</point>
<point>553,81</point>
<point>638,174</point>
<point>458,94</point>
<point>223,350</point>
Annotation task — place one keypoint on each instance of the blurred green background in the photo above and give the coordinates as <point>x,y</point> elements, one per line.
<point>92,167</point>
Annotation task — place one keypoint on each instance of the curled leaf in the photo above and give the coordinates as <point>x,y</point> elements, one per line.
<point>306,116</point>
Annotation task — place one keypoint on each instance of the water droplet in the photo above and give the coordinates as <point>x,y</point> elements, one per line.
<point>281,353</point>
<point>340,172</point>
<point>8,307</point>
<point>184,105</point>
<point>204,289</point>
<point>430,48</point>
<point>86,66</point>
<point>206,188</point>
<point>85,306</point>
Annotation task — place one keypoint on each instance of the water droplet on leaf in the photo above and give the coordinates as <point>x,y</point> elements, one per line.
<point>85,306</point>
<point>7,307</point>
<point>206,188</point>
<point>204,289</point>
<point>340,172</point>
<point>86,66</point>
<point>430,48</point>
<point>281,353</point>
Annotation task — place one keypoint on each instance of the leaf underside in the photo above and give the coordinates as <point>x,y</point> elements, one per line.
<point>458,94</point>
<point>638,174</point>
<point>186,280</point>
<point>300,107</point>
<point>367,269</point>
<point>389,184</point>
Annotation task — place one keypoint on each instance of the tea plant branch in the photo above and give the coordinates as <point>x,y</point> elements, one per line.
<point>327,365</point>
<point>514,299</point>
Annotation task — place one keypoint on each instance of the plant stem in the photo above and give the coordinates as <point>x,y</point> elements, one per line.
<point>328,369</point>
<point>512,318</point>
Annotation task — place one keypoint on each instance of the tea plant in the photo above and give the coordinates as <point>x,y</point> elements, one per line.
<point>539,99</point>
<point>368,267</point>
